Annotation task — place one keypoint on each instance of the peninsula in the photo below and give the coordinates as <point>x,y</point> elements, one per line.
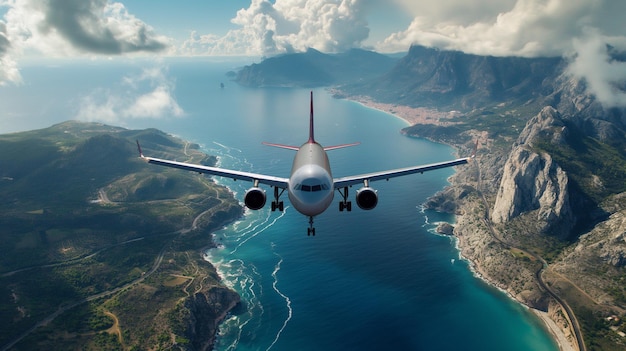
<point>102,252</point>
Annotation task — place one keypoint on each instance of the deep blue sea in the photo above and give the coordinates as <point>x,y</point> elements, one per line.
<point>376,280</point>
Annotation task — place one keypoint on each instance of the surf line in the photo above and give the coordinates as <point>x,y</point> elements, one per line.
<point>260,230</point>
<point>289,308</point>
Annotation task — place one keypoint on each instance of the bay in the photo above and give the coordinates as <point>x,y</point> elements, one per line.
<point>369,280</point>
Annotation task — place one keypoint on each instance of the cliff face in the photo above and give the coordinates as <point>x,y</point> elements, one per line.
<point>206,310</point>
<point>532,181</point>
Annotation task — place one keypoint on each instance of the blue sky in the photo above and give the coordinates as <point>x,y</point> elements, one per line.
<point>179,19</point>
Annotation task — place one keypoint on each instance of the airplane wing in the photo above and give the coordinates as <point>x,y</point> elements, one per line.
<point>227,173</point>
<point>370,177</point>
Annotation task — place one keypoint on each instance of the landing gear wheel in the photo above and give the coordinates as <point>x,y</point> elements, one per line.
<point>310,230</point>
<point>344,204</point>
<point>276,204</point>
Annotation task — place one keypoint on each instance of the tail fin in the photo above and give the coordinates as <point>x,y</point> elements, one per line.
<point>311,137</point>
<point>311,129</point>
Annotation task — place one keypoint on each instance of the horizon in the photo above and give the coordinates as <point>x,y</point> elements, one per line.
<point>36,33</point>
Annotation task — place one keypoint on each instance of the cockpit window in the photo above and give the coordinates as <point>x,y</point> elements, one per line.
<point>311,188</point>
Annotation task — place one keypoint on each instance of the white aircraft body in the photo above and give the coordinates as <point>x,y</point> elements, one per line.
<point>311,185</point>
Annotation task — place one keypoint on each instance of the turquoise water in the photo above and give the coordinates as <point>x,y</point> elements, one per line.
<point>369,280</point>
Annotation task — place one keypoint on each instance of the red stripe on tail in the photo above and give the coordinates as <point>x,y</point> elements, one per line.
<point>311,133</point>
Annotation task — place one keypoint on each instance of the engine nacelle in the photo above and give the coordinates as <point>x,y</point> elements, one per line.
<point>255,198</point>
<point>366,198</point>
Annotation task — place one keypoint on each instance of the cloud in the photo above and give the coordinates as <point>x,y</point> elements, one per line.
<point>527,28</point>
<point>70,28</point>
<point>148,95</point>
<point>63,27</point>
<point>605,76</point>
<point>286,26</point>
<point>8,67</point>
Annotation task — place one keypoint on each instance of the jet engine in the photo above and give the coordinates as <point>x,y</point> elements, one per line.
<point>366,198</point>
<point>255,198</point>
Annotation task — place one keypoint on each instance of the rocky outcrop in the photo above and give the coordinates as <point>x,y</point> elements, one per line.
<point>445,228</point>
<point>206,310</point>
<point>532,181</point>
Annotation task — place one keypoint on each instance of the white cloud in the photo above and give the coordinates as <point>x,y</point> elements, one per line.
<point>70,28</point>
<point>148,95</point>
<point>8,67</point>
<point>62,27</point>
<point>288,25</point>
<point>155,104</point>
<point>506,28</point>
<point>602,74</point>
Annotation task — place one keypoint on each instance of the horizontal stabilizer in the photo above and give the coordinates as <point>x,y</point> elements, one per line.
<point>335,147</point>
<point>282,146</point>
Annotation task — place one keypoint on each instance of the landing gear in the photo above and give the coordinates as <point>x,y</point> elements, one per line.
<point>344,204</point>
<point>310,230</point>
<point>276,204</point>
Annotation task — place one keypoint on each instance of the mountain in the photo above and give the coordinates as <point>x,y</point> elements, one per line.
<point>99,247</point>
<point>313,69</point>
<point>435,78</point>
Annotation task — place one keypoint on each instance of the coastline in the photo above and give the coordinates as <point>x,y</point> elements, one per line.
<point>412,116</point>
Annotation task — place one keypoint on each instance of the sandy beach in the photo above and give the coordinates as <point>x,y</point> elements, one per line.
<point>411,115</point>
<point>559,336</point>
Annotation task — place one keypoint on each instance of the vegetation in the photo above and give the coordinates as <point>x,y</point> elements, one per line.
<point>86,230</point>
<point>597,167</point>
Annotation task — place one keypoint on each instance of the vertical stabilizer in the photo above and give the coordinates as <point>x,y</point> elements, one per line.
<point>311,133</point>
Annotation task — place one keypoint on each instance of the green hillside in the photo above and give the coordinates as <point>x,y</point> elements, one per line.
<point>82,215</point>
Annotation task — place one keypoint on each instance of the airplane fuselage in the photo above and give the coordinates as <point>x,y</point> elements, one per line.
<point>311,186</point>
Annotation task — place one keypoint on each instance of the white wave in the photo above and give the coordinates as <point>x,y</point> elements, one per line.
<point>227,148</point>
<point>257,232</point>
<point>241,278</point>
<point>287,300</point>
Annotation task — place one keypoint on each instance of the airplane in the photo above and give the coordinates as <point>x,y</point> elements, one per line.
<point>311,185</point>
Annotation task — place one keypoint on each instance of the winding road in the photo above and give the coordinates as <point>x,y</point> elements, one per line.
<point>69,305</point>
<point>539,273</point>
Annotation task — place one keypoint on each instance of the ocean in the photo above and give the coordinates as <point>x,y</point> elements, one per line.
<point>369,280</point>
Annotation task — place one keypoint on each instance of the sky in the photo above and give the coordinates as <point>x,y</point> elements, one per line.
<point>577,29</point>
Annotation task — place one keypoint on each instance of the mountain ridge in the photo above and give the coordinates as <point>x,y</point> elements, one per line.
<point>314,69</point>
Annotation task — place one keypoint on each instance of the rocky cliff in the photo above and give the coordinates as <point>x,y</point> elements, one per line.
<point>206,310</point>
<point>533,182</point>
